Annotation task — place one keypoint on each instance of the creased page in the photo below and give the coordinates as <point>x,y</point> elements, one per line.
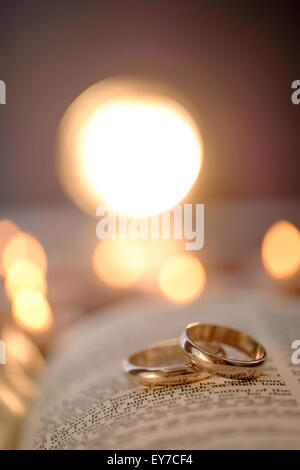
<point>87,402</point>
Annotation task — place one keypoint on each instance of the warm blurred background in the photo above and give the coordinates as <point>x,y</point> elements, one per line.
<point>234,61</point>
<point>209,83</point>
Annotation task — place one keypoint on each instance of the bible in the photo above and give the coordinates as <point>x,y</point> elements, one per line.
<point>86,401</point>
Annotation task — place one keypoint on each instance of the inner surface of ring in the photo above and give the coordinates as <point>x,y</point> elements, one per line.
<point>164,355</point>
<point>167,354</point>
<point>200,332</point>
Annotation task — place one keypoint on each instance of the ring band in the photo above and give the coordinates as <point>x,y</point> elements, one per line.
<point>191,343</point>
<point>165,363</point>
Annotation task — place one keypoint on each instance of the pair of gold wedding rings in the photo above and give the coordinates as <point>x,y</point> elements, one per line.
<point>195,356</point>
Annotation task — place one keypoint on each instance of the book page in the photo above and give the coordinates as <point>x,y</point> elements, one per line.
<point>88,403</point>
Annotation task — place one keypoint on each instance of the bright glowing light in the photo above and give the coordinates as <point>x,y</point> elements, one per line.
<point>138,151</point>
<point>7,231</point>
<point>182,278</point>
<point>32,311</point>
<point>24,246</point>
<point>140,158</point>
<point>20,349</point>
<point>281,250</point>
<point>25,275</point>
<point>119,263</point>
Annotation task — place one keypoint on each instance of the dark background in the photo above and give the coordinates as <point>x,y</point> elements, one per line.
<point>235,60</point>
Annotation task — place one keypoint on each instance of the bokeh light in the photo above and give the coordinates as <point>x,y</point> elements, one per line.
<point>31,311</point>
<point>20,350</point>
<point>125,144</point>
<point>7,231</point>
<point>157,252</point>
<point>11,400</point>
<point>24,246</point>
<point>281,250</point>
<point>25,275</point>
<point>119,263</point>
<point>182,278</point>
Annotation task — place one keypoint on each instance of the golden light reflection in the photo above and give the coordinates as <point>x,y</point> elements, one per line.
<point>7,231</point>
<point>129,145</point>
<point>32,311</point>
<point>24,246</point>
<point>182,279</point>
<point>25,275</point>
<point>20,349</point>
<point>11,400</point>
<point>119,263</point>
<point>281,250</point>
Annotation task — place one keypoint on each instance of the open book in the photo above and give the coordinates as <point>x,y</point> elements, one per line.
<point>88,403</point>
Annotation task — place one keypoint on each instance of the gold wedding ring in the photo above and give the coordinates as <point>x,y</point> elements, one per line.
<point>191,342</point>
<point>165,363</point>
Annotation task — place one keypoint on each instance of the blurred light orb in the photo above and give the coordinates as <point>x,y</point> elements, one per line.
<point>7,231</point>
<point>129,145</point>
<point>182,279</point>
<point>20,350</point>
<point>281,250</point>
<point>24,246</point>
<point>31,311</point>
<point>119,263</point>
<point>159,251</point>
<point>25,275</point>
<point>11,400</point>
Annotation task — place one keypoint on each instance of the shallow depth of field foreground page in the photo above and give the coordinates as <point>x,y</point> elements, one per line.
<point>87,402</point>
